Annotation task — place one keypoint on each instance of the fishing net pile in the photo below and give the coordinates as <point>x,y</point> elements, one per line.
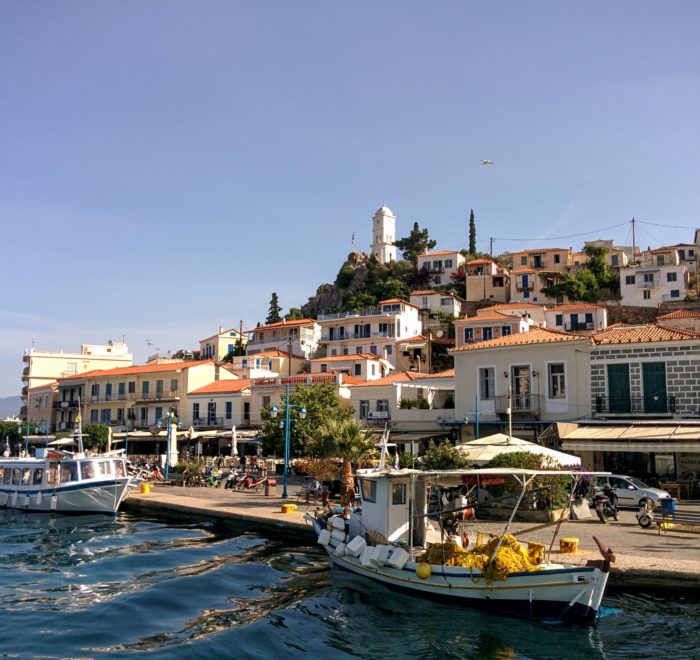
<point>510,558</point>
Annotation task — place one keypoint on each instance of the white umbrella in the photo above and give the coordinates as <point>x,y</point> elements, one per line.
<point>482,451</point>
<point>234,442</point>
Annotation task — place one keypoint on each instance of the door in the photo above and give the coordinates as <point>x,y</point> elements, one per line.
<point>619,388</point>
<point>654,384</point>
<point>521,388</point>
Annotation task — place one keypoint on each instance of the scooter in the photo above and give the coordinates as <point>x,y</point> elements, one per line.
<point>645,513</point>
<point>605,503</point>
<point>233,478</point>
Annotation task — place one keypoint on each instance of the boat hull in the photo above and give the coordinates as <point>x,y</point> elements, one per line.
<point>566,594</point>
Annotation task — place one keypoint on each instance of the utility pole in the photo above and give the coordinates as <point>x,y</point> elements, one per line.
<point>491,246</point>
<point>634,243</point>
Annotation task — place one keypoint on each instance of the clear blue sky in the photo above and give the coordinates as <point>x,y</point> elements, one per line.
<point>165,166</point>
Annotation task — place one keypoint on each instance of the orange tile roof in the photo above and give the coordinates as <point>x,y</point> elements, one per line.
<point>139,369</point>
<point>425,292</point>
<point>398,377</point>
<point>350,356</point>
<point>575,307</point>
<point>534,336</point>
<point>513,305</point>
<point>274,352</point>
<point>488,316</point>
<point>417,338</point>
<point>396,300</point>
<point>642,334</point>
<point>479,262</point>
<point>680,314</point>
<point>283,324</point>
<point>438,253</point>
<point>223,387</point>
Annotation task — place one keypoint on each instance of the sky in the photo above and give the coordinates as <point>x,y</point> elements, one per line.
<point>166,165</point>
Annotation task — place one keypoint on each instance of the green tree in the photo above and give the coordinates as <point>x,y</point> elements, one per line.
<point>321,402</point>
<point>95,436</point>
<point>274,313</point>
<point>295,314</point>
<point>443,456</point>
<point>12,433</point>
<point>472,233</point>
<point>347,440</point>
<point>417,242</point>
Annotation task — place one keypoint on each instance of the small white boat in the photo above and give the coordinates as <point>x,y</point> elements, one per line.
<point>60,481</point>
<point>387,541</point>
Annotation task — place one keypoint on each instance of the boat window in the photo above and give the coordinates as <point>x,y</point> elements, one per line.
<point>369,490</point>
<point>104,467</point>
<point>119,468</point>
<point>53,473</point>
<point>87,470</point>
<point>26,476</point>
<point>7,476</point>
<point>15,476</point>
<point>69,472</point>
<point>2,472</point>
<point>398,493</point>
<point>38,476</point>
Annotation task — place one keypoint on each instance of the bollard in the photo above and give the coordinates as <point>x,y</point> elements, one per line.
<point>271,487</point>
<point>145,488</point>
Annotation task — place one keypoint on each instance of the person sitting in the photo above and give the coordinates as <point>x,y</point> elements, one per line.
<point>313,489</point>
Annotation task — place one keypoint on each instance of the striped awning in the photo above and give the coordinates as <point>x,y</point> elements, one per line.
<point>662,438</point>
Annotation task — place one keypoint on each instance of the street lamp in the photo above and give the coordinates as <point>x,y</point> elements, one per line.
<point>274,411</point>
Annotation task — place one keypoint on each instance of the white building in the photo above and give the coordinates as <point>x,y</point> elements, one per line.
<point>374,330</point>
<point>364,366</point>
<point>661,277</point>
<point>437,301</point>
<point>384,235</point>
<point>441,265</point>
<point>295,337</point>
<point>577,317</point>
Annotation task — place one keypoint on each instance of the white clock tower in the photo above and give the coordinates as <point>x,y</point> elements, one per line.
<point>384,235</point>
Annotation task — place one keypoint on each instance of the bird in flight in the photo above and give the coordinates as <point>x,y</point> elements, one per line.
<point>487,162</point>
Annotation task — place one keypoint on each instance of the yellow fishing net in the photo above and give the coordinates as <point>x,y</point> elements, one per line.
<point>510,558</point>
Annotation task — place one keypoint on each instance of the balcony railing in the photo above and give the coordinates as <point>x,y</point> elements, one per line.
<point>157,396</point>
<point>654,284</point>
<point>517,404</point>
<point>635,404</point>
<point>62,405</point>
<point>207,422</point>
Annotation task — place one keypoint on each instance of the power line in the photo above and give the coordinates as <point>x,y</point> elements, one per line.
<point>656,224</point>
<point>556,238</point>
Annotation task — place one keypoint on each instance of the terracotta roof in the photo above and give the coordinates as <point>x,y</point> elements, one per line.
<point>274,352</point>
<point>479,262</point>
<point>575,307</point>
<point>438,253</point>
<point>396,300</point>
<point>642,334</point>
<point>488,316</point>
<point>44,386</point>
<point>399,377</point>
<point>540,250</point>
<point>513,305</point>
<point>534,336</point>
<point>417,338</point>
<point>345,358</point>
<point>223,387</point>
<point>425,292</point>
<point>139,369</point>
<point>680,314</point>
<point>284,324</point>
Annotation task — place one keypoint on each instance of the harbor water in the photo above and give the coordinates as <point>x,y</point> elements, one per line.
<point>101,587</point>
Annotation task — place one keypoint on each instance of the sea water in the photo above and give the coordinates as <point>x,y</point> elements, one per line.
<point>101,587</point>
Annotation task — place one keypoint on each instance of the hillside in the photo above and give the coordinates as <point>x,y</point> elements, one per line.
<point>9,406</point>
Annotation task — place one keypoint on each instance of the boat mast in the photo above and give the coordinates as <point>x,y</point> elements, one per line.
<point>78,432</point>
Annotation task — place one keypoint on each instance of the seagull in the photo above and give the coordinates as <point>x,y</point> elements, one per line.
<point>487,162</point>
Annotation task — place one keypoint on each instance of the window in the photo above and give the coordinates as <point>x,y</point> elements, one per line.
<point>505,331</point>
<point>660,260</point>
<point>364,409</point>
<point>523,261</point>
<point>358,369</point>
<point>94,416</point>
<point>71,368</point>
<point>144,387</point>
<point>629,279</point>
<point>557,258</point>
<point>159,414</point>
<point>132,387</point>
<point>144,415</point>
<point>487,333</point>
<point>38,476</point>
<point>369,490</point>
<point>445,301</point>
<point>229,410</point>
<point>437,279</point>
<point>173,384</point>
<point>589,318</point>
<point>648,278</point>
<point>95,391</point>
<point>389,349</point>
<point>526,294</point>
<point>487,383</point>
<point>373,350</point>
<point>671,277</point>
<point>675,293</point>
<point>468,335</point>
<point>159,387</point>
<point>559,319</point>
<point>557,382</point>
<point>195,411</point>
<point>398,494</point>
<point>448,263</point>
<point>646,294</point>
<point>120,415</point>
<point>382,405</point>
<point>614,260</point>
<point>121,389</point>
<point>324,368</point>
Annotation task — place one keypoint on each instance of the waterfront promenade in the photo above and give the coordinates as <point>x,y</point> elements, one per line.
<point>645,559</point>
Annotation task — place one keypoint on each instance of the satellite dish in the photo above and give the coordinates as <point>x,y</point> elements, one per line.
<point>439,333</point>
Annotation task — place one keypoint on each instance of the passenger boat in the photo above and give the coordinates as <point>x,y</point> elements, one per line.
<point>60,481</point>
<point>387,539</point>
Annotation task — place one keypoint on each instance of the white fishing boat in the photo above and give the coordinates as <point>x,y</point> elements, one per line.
<point>388,540</point>
<point>59,481</point>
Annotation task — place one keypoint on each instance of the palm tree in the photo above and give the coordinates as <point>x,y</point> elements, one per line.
<point>347,440</point>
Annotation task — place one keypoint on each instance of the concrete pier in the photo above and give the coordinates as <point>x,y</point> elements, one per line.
<point>645,559</point>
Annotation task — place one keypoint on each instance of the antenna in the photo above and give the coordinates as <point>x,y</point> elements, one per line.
<point>149,343</point>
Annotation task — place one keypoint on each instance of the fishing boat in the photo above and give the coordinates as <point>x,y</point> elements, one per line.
<point>388,539</point>
<point>57,480</point>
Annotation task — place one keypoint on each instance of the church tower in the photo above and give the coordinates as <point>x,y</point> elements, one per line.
<point>384,235</point>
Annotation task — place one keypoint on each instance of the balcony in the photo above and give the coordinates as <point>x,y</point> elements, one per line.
<point>156,396</point>
<point>635,405</point>
<point>526,286</point>
<point>207,422</point>
<point>653,284</point>
<point>63,405</point>
<point>520,406</point>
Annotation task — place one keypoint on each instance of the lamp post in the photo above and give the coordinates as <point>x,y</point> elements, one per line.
<point>274,411</point>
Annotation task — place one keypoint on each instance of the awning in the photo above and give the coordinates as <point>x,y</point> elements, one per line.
<point>639,438</point>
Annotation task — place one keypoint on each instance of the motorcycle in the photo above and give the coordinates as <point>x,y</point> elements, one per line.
<point>645,513</point>
<point>605,504</point>
<point>233,478</point>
